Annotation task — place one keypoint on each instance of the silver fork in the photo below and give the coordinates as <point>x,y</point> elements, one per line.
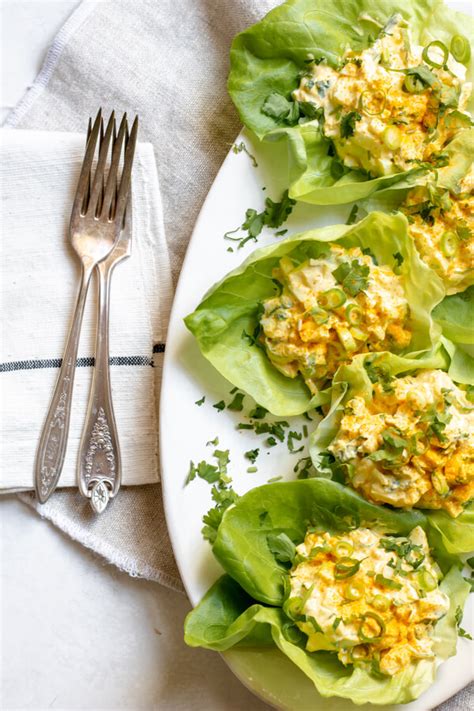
<point>99,464</point>
<point>93,232</point>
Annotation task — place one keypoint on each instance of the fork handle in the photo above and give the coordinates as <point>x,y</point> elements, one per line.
<point>99,465</point>
<point>53,442</point>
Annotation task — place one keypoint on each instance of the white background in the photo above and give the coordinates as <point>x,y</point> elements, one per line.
<point>57,598</point>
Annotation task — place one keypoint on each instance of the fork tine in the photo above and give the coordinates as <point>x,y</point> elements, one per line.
<point>84,176</point>
<point>126,174</point>
<point>93,207</point>
<point>110,190</point>
<point>88,186</point>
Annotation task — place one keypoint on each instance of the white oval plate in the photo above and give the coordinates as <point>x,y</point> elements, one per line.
<point>186,427</point>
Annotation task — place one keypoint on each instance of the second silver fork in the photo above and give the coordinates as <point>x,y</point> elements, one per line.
<point>99,464</point>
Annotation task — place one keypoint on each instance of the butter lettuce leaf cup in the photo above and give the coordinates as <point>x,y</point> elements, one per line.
<point>353,380</point>
<point>244,607</point>
<point>231,308</point>
<point>268,57</point>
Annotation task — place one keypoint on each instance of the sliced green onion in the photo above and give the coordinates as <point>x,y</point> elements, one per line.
<point>392,137</point>
<point>426,580</point>
<point>449,244</point>
<point>346,338</point>
<point>460,49</point>
<point>320,316</point>
<point>413,84</point>
<point>316,626</point>
<point>292,633</point>
<point>354,314</point>
<point>346,567</point>
<point>432,62</point>
<point>381,602</point>
<point>332,298</point>
<point>367,98</point>
<point>344,549</point>
<point>325,548</point>
<point>359,334</point>
<point>354,590</point>
<point>363,623</point>
<point>439,482</point>
<point>387,582</point>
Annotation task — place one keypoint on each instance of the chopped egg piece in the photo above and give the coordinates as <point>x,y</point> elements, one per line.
<point>387,108</point>
<point>369,597</point>
<point>411,445</point>
<point>330,309</point>
<point>442,226</point>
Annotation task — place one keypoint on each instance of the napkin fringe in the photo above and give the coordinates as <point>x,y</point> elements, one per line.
<point>98,546</point>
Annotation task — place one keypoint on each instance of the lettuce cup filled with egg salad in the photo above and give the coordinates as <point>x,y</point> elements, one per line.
<point>402,436</point>
<point>279,326</point>
<point>367,94</point>
<point>361,599</point>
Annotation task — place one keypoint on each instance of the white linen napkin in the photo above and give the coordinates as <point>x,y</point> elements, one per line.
<point>38,285</point>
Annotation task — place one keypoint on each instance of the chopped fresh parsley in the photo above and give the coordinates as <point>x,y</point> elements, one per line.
<point>458,619</point>
<point>258,413</point>
<point>273,216</point>
<point>201,401</point>
<point>398,258</point>
<point>239,147</point>
<point>348,122</point>
<point>237,403</point>
<point>352,276</point>
<point>224,497</point>
<point>219,406</point>
<point>252,455</point>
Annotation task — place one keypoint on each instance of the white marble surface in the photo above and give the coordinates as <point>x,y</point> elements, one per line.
<point>75,633</point>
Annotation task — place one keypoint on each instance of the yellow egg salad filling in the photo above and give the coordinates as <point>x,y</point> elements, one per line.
<point>371,598</point>
<point>390,106</point>
<point>442,225</point>
<point>330,309</point>
<point>411,445</point>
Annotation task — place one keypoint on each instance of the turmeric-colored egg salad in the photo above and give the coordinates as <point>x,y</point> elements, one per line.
<point>369,597</point>
<point>330,309</point>
<point>412,444</point>
<point>442,226</point>
<point>394,105</point>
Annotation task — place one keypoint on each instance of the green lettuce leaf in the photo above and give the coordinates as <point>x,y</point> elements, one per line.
<point>231,308</point>
<point>351,380</point>
<point>455,315</point>
<point>227,617</point>
<point>266,60</point>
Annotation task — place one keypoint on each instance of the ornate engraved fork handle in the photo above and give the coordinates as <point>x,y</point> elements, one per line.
<point>52,446</point>
<point>99,463</point>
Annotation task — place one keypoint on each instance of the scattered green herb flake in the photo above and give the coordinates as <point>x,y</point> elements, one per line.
<point>208,472</point>
<point>306,415</point>
<point>244,426</point>
<point>224,497</point>
<point>237,403</point>
<point>348,122</point>
<point>305,430</point>
<point>398,258</point>
<point>336,623</point>
<point>201,401</point>
<point>191,474</point>
<point>252,470</point>
<point>274,479</point>
<point>303,468</point>
<point>352,276</point>
<point>458,619</point>
<point>229,249</point>
<point>219,406</point>
<point>252,455</point>
<point>234,390</point>
<point>282,547</point>
<point>292,436</point>
<point>273,216</point>
<point>241,147</point>
<point>258,413</point>
<point>214,442</point>
<point>280,233</point>
<point>352,215</point>
<point>271,442</point>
